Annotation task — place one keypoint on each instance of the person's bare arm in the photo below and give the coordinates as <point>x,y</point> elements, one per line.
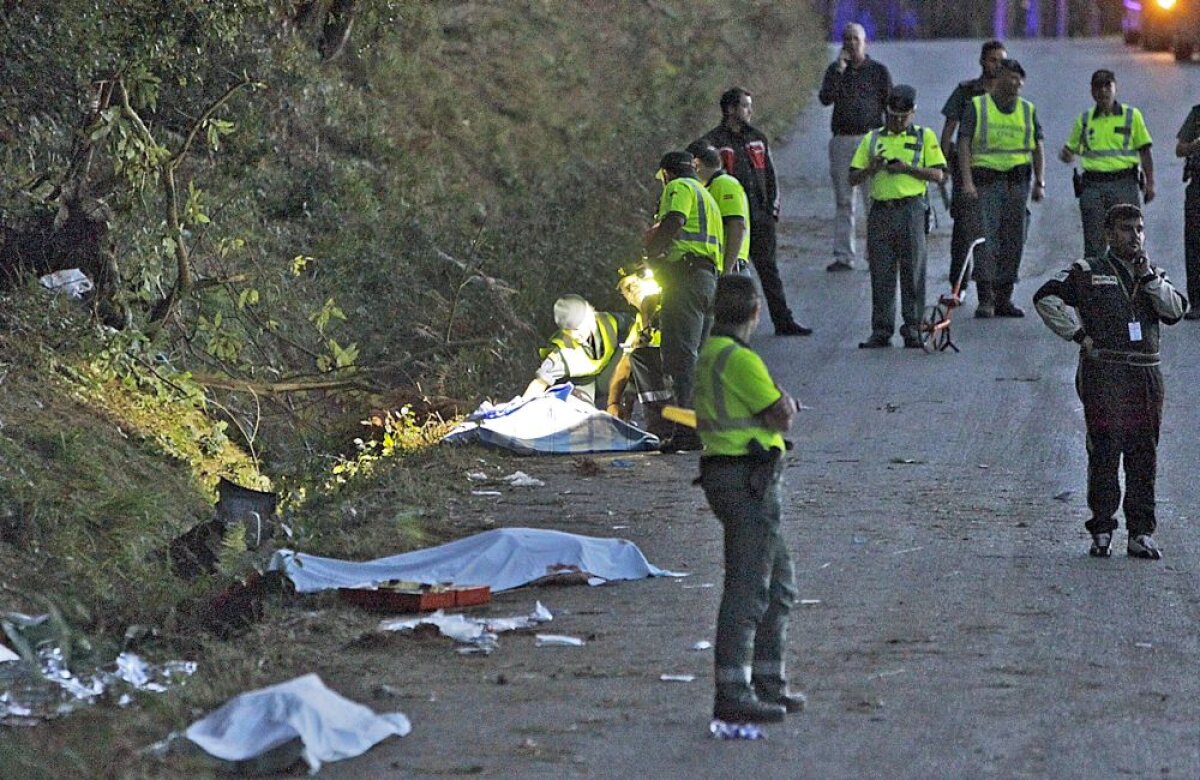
<point>964,168</point>
<point>735,233</point>
<point>1039,171</point>
<point>658,242</point>
<point>947,140</point>
<point>780,415</point>
<point>616,385</point>
<point>1147,160</point>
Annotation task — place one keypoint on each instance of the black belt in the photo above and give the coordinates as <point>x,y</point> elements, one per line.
<point>698,262</point>
<point>895,203</point>
<point>1015,175</point>
<point>1101,176</point>
<point>1124,358</point>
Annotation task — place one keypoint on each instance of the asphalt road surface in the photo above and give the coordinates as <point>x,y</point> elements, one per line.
<point>954,625</point>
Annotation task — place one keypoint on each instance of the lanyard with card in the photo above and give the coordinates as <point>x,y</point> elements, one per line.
<point>1135,327</point>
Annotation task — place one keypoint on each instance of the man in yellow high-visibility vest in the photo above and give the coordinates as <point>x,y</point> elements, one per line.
<point>999,151</point>
<point>686,250</point>
<point>742,415</point>
<point>1113,147</point>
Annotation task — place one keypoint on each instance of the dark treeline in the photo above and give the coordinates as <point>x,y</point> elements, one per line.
<point>890,19</point>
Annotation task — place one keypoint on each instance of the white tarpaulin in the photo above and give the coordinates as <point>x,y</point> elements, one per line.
<point>8,655</point>
<point>554,423</point>
<point>331,726</point>
<point>503,558</point>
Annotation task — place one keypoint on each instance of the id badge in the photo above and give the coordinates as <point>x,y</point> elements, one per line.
<point>1135,331</point>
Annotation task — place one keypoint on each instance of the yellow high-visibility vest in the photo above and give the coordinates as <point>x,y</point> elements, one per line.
<point>1002,141</point>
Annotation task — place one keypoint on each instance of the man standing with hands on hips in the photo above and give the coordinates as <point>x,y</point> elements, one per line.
<point>999,150</point>
<point>1119,300</point>
<point>857,87</point>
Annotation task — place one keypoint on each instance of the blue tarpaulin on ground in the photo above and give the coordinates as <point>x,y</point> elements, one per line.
<point>552,424</point>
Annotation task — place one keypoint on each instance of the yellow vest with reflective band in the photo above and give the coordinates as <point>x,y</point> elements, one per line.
<point>730,197</point>
<point>724,421</point>
<point>907,146</point>
<point>647,335</point>
<point>1002,141</point>
<point>1109,147</point>
<point>702,233</point>
<point>578,363</point>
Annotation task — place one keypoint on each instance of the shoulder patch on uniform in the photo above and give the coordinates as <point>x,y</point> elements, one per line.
<point>1082,264</point>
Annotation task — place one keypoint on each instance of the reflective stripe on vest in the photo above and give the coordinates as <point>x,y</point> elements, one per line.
<point>723,421</point>
<point>982,147</point>
<point>914,129</point>
<point>1126,130</point>
<point>578,363</point>
<point>703,235</point>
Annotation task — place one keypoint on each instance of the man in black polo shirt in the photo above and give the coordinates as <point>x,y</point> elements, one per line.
<point>964,212</point>
<point>857,87</point>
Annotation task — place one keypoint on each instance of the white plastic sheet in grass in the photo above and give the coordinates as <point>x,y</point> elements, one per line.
<point>331,726</point>
<point>552,424</point>
<point>503,558</point>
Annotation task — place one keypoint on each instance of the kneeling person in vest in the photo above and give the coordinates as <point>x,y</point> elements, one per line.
<point>581,351</point>
<point>640,366</point>
<point>900,160</point>
<point>1111,140</point>
<point>742,415</point>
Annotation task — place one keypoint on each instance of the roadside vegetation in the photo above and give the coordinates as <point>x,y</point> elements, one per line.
<point>318,231</point>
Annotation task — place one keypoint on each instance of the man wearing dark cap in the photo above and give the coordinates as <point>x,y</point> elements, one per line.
<point>900,160</point>
<point>857,88</point>
<point>685,247</point>
<point>1110,141</point>
<point>964,212</point>
<point>746,155</point>
<point>999,150</point>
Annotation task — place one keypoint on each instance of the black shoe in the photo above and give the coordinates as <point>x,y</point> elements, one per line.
<point>1143,546</point>
<point>791,701</point>
<point>792,328</point>
<point>1193,314</point>
<point>912,342</point>
<point>1101,546</point>
<point>838,266</point>
<point>875,341</point>
<point>1008,309</point>
<point>748,711</point>
<point>681,440</point>
<point>985,311</point>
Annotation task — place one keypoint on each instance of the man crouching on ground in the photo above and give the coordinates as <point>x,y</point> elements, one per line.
<point>741,416</point>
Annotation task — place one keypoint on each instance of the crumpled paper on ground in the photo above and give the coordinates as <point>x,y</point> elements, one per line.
<point>331,726</point>
<point>503,558</point>
<point>32,693</point>
<point>479,632</point>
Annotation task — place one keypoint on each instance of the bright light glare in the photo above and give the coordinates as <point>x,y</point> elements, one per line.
<point>1166,5</point>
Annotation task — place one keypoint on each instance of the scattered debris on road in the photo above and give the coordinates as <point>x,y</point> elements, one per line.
<point>557,640</point>
<point>677,678</point>
<point>480,633</point>
<point>521,479</point>
<point>719,729</point>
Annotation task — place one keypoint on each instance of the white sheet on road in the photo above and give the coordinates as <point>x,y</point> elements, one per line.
<point>331,726</point>
<point>550,424</point>
<point>502,558</point>
<point>8,655</point>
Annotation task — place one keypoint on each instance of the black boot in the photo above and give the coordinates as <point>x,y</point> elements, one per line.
<point>1004,305</point>
<point>776,692</point>
<point>987,301</point>
<point>737,704</point>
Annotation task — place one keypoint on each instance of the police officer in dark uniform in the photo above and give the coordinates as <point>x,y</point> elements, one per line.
<point>965,213</point>
<point>1119,300</point>
<point>1187,146</point>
